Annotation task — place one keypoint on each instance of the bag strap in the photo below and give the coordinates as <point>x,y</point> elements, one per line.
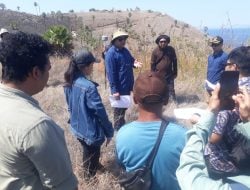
<point>156,63</point>
<point>153,153</point>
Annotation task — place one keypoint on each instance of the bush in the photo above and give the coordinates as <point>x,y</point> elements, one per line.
<point>60,39</point>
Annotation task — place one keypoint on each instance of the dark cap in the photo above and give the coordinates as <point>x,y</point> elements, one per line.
<point>150,88</point>
<point>165,37</point>
<point>84,57</point>
<point>215,40</point>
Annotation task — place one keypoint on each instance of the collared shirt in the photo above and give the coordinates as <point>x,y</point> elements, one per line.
<point>119,65</point>
<point>192,172</point>
<point>33,154</point>
<point>216,65</point>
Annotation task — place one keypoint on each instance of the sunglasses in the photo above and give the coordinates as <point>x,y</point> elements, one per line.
<point>215,45</point>
<point>163,41</point>
<point>122,39</point>
<point>229,63</point>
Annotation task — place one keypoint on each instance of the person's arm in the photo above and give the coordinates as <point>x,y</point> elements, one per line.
<point>94,103</point>
<point>46,148</point>
<point>192,172</point>
<point>220,127</point>
<point>215,138</point>
<point>112,71</point>
<point>174,62</point>
<point>243,100</point>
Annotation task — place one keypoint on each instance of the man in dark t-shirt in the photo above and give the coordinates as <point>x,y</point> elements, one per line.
<point>164,61</point>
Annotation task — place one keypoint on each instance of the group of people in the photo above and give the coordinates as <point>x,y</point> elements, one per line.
<point>34,153</point>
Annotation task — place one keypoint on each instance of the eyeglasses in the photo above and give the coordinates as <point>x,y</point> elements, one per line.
<point>121,39</point>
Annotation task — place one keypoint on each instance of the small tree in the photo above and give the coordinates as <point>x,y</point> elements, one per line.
<point>44,16</point>
<point>2,6</point>
<point>61,40</point>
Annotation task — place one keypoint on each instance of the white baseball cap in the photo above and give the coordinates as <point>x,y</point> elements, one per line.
<point>3,30</point>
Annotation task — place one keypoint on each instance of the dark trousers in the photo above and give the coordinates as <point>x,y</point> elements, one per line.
<point>119,117</point>
<point>171,90</point>
<point>91,155</point>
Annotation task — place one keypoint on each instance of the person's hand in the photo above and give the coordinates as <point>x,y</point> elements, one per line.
<point>108,141</point>
<point>137,64</point>
<point>116,96</point>
<point>243,101</point>
<point>194,118</point>
<point>214,101</point>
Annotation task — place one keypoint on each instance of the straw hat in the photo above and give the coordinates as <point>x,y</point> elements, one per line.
<point>119,33</point>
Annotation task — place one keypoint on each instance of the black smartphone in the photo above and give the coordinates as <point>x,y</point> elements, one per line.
<point>228,87</point>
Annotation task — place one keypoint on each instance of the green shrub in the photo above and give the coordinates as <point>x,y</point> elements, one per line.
<point>61,40</point>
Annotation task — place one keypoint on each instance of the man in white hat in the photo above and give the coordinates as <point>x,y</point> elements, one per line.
<point>3,33</point>
<point>119,64</point>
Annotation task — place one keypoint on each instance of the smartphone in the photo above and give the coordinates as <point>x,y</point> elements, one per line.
<point>228,87</point>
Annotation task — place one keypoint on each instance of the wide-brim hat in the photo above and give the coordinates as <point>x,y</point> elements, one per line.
<point>215,40</point>
<point>118,34</point>
<point>84,57</point>
<point>165,37</point>
<point>3,30</point>
<point>150,88</point>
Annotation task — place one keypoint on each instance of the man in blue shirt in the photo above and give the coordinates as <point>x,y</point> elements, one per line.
<point>216,62</point>
<point>135,141</point>
<point>119,65</point>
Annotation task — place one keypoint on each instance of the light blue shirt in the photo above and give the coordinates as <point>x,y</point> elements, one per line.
<point>135,141</point>
<point>192,173</point>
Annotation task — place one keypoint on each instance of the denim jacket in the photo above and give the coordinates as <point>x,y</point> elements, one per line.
<point>88,117</point>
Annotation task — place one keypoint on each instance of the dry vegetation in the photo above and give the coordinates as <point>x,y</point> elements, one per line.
<point>189,89</point>
<point>143,27</point>
<point>189,93</point>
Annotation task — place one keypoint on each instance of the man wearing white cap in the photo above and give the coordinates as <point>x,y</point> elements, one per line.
<point>3,32</point>
<point>119,66</point>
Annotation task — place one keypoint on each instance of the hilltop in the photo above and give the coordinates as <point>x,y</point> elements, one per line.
<point>143,26</point>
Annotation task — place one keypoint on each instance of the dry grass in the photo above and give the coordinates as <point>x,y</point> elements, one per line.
<point>189,93</point>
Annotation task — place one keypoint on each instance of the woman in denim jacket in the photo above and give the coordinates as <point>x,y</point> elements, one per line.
<point>88,118</point>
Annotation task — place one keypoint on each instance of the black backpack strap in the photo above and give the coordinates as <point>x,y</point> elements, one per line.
<point>150,159</point>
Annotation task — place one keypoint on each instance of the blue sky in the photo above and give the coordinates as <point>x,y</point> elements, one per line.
<point>212,13</point>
